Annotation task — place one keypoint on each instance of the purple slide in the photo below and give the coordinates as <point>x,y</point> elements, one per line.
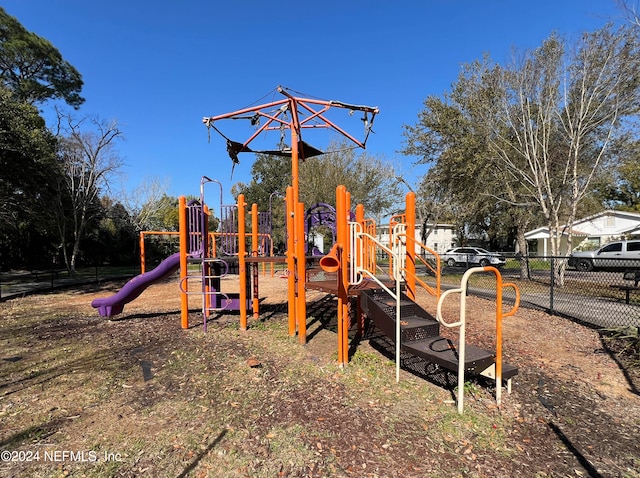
<point>110,306</point>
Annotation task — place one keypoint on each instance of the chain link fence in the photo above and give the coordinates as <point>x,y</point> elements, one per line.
<point>38,281</point>
<point>601,298</point>
<point>607,298</point>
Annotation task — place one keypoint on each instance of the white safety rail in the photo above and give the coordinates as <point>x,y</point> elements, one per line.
<point>360,241</point>
<point>494,371</point>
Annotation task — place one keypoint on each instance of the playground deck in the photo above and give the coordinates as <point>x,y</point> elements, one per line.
<point>354,290</point>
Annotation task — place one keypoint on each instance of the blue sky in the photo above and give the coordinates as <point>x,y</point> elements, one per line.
<point>159,67</point>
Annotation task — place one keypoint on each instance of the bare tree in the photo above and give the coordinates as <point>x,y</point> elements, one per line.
<point>466,183</point>
<point>146,202</point>
<point>560,112</point>
<point>533,135</point>
<point>630,11</point>
<point>89,159</point>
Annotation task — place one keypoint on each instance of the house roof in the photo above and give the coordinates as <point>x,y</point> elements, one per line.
<point>633,230</point>
<point>593,226</point>
<point>610,212</point>
<point>539,233</point>
<point>543,233</point>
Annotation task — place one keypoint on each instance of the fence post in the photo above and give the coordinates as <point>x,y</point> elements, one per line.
<point>553,282</point>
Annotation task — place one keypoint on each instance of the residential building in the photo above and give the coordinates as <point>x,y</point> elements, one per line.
<point>441,236</point>
<point>589,233</point>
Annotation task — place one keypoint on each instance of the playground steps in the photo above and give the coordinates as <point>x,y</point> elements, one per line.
<point>327,282</point>
<point>420,335</point>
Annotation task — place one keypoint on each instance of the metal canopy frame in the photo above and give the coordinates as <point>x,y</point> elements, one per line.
<point>296,114</point>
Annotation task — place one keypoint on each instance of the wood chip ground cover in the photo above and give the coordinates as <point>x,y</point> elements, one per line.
<point>139,396</point>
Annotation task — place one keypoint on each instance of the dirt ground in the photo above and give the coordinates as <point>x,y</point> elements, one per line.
<point>139,396</point>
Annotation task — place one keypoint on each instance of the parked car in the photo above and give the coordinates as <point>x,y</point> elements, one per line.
<point>460,256</point>
<point>614,255</point>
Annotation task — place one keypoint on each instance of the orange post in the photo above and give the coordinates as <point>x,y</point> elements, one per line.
<point>184,298</point>
<point>296,283</point>
<point>301,296</point>
<point>345,279</point>
<point>242,264</point>
<point>291,263</point>
<point>343,299</point>
<point>410,265</point>
<point>500,314</point>
<point>340,237</point>
<point>142,257</point>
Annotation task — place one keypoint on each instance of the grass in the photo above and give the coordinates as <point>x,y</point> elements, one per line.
<point>172,402</point>
<point>84,380</point>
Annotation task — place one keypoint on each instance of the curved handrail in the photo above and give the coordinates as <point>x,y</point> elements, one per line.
<point>227,299</point>
<point>355,233</point>
<point>517,299</point>
<point>353,278</point>
<point>439,316</point>
<point>462,324</point>
<point>397,271</point>
<point>394,221</point>
<point>180,284</point>
<point>212,260</point>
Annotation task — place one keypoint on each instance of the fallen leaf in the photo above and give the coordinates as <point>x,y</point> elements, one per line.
<point>253,362</point>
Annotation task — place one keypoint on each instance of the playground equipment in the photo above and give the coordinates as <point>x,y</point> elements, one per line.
<point>352,262</point>
<point>295,114</point>
<point>319,215</point>
<point>210,269</point>
<point>391,305</point>
<point>198,250</point>
<point>351,271</point>
<point>110,306</point>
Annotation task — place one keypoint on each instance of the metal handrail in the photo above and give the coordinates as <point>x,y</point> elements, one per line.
<point>211,260</point>
<point>398,271</point>
<point>355,234</point>
<point>436,271</point>
<point>462,324</point>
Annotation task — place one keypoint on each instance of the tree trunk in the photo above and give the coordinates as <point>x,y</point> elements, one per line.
<point>523,251</point>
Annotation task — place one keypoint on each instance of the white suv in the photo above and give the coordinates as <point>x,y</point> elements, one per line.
<point>472,255</point>
<point>614,255</point>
